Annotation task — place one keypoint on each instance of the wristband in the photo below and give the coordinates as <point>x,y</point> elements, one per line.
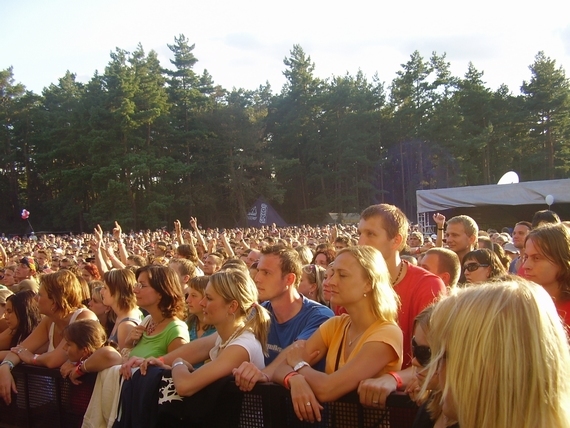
<point>78,371</point>
<point>440,229</point>
<point>399,382</point>
<point>161,359</point>
<point>9,363</point>
<point>35,359</point>
<point>178,363</point>
<point>287,377</point>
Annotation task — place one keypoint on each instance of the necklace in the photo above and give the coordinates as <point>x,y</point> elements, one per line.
<point>399,273</point>
<point>152,326</point>
<point>350,342</point>
<point>236,332</point>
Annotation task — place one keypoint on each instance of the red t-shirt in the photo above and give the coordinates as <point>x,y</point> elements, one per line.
<point>563,308</point>
<point>417,290</point>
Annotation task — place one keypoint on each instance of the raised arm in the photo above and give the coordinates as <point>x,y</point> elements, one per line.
<point>194,224</point>
<point>226,244</point>
<point>117,264</point>
<point>439,220</point>
<point>178,232</point>
<point>118,236</point>
<point>96,243</point>
<point>3,254</point>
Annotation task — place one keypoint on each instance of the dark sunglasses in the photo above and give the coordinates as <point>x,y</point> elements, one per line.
<point>421,353</point>
<point>472,267</point>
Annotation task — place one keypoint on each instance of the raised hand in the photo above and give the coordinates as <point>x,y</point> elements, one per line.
<point>117,232</point>
<point>439,219</point>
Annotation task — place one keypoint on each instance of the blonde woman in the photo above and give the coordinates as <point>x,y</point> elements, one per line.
<point>311,285</point>
<point>185,269</point>
<point>366,342</point>
<point>501,355</point>
<point>104,313</point>
<point>230,304</point>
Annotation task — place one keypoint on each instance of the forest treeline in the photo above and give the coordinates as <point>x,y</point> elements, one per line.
<point>144,144</point>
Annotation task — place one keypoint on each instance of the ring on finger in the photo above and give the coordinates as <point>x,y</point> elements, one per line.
<point>308,403</point>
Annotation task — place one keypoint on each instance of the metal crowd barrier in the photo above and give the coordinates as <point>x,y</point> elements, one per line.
<point>45,400</point>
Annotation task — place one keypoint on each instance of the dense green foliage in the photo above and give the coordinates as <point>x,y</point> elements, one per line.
<point>144,145</point>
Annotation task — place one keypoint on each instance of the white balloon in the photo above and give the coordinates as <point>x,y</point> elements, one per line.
<point>549,200</point>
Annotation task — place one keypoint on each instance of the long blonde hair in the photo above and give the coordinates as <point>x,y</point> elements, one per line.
<point>236,284</point>
<point>506,354</point>
<point>384,300</point>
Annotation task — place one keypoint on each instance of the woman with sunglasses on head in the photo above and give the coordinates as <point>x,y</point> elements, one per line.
<point>104,313</point>
<point>501,357</point>
<point>311,285</point>
<point>364,343</point>
<point>482,265</point>
<point>546,261</point>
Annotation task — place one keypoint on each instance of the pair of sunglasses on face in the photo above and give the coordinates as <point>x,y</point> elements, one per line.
<point>421,353</point>
<point>472,267</point>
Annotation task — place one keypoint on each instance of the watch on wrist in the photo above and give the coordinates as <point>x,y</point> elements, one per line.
<point>300,365</point>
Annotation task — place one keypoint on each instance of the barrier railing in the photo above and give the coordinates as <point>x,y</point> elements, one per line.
<point>45,399</point>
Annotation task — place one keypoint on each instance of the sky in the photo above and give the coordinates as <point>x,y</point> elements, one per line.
<point>243,44</point>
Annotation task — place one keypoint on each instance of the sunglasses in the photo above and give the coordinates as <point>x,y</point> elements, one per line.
<point>309,269</point>
<point>472,267</point>
<point>421,353</point>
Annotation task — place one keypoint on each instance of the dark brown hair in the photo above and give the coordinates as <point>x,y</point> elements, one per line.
<point>165,282</point>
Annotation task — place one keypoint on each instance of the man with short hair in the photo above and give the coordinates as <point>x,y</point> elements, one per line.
<point>293,316</point>
<point>443,263</point>
<point>213,263</point>
<point>24,274</point>
<point>461,235</point>
<point>341,242</point>
<point>520,232</point>
<point>252,257</point>
<point>484,242</point>
<point>159,253</point>
<point>385,227</point>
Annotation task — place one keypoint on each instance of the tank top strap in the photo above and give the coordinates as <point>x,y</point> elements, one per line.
<point>76,314</point>
<point>50,336</point>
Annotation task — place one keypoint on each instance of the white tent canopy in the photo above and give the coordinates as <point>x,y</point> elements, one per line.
<point>526,193</point>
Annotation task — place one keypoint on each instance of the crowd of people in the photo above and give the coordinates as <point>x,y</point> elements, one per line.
<point>472,324</point>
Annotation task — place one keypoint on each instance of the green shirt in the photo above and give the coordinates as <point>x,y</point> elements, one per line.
<point>157,345</point>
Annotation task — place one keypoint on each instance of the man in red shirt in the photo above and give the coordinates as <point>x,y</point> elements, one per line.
<point>385,227</point>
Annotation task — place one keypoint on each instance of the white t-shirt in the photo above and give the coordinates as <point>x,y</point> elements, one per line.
<point>249,342</point>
